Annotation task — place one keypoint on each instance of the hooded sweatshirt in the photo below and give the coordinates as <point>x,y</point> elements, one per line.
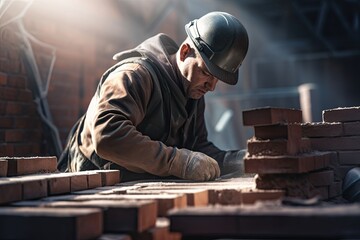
<point>139,122</point>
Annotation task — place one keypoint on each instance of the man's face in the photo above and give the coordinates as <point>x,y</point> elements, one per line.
<point>200,81</point>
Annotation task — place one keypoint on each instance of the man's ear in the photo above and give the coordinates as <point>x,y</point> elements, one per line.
<point>185,50</point>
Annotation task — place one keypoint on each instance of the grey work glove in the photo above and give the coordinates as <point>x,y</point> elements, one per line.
<point>195,166</point>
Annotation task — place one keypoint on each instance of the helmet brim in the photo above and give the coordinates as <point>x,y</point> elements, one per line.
<point>230,78</point>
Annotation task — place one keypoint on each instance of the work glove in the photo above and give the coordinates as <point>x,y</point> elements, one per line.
<point>195,166</point>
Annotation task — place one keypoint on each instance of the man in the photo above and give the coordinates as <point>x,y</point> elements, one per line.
<point>147,115</point>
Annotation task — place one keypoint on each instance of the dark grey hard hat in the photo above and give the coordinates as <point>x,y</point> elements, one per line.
<point>222,42</point>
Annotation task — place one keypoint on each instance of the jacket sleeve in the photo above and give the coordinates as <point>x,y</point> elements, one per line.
<point>229,161</point>
<point>121,105</point>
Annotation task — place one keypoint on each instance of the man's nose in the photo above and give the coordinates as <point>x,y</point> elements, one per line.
<point>211,84</point>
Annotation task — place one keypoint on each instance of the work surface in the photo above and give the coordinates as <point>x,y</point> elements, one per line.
<point>99,207</point>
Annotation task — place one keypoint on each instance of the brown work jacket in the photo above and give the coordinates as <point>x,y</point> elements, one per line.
<point>140,117</point>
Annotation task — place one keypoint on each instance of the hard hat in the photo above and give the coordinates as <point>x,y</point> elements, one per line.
<point>222,42</point>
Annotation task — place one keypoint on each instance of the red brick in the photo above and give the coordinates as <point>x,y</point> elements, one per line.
<point>3,79</point>
<point>32,189</point>
<point>119,215</point>
<point>40,223</point>
<point>335,189</point>
<point>282,164</point>
<point>276,147</point>
<point>322,129</point>
<point>78,182</point>
<point>109,177</point>
<point>295,185</point>
<point>285,131</point>
<point>28,165</point>
<point>331,221</point>
<point>349,157</point>
<point>10,191</point>
<point>251,196</point>
<point>165,202</point>
<point>321,178</point>
<point>268,116</point>
<point>94,179</point>
<point>195,197</point>
<point>345,114</point>
<point>6,122</point>
<point>59,185</point>
<point>16,81</point>
<point>3,167</point>
<point>351,128</point>
<point>336,143</point>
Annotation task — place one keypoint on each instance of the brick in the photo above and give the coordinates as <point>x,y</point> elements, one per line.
<point>10,191</point>
<point>349,157</point>
<point>159,232</point>
<point>6,122</point>
<point>194,197</point>
<point>109,177</point>
<point>351,128</point>
<point>119,215</point>
<point>280,164</point>
<point>345,114</point>
<point>276,147</point>
<point>251,196</point>
<point>276,131</point>
<point>78,182</point>
<point>114,236</point>
<point>58,184</point>
<point>336,143</point>
<point>165,202</point>
<point>28,165</point>
<point>322,129</point>
<point>295,185</point>
<point>321,178</point>
<point>94,179</point>
<point>258,221</point>
<point>335,189</point>
<point>268,116</point>
<point>3,168</point>
<point>40,223</point>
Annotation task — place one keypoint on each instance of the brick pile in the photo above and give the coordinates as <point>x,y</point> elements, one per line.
<point>33,192</point>
<point>339,132</point>
<point>282,158</point>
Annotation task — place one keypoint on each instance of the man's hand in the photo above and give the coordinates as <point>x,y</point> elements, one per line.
<point>195,166</point>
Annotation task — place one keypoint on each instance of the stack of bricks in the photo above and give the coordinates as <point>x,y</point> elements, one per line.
<point>339,132</point>
<point>282,158</point>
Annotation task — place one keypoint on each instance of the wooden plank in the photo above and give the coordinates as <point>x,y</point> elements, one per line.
<point>50,223</point>
<point>262,221</point>
<point>30,165</point>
